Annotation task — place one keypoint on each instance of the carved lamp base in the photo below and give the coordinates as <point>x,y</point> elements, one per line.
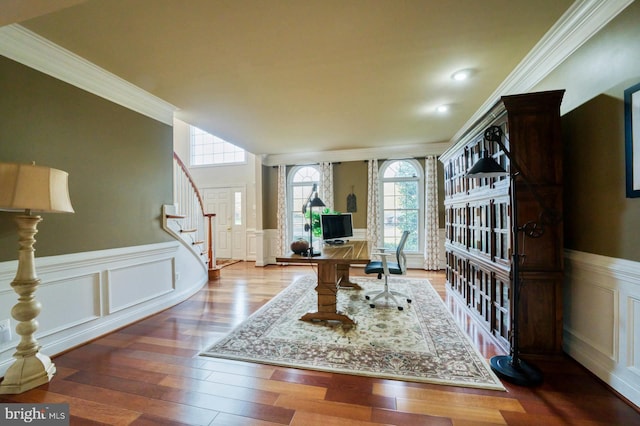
<point>27,373</point>
<point>30,368</point>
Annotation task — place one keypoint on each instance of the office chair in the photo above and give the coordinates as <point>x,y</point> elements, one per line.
<point>386,268</point>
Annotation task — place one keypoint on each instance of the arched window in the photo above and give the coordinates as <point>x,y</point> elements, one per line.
<point>401,192</point>
<point>300,183</point>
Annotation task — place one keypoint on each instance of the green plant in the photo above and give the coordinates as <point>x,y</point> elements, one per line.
<point>316,227</point>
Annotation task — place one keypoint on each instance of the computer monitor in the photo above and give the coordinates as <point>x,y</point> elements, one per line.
<point>335,227</point>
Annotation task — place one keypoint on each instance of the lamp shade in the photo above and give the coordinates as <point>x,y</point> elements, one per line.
<point>34,188</point>
<point>486,167</point>
<point>316,202</point>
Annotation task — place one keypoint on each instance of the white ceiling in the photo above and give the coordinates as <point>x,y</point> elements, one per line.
<point>294,76</point>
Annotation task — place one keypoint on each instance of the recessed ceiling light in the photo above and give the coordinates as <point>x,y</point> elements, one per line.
<point>462,74</point>
<point>442,108</point>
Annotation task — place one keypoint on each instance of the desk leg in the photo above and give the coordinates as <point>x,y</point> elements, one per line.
<point>343,277</point>
<point>327,296</point>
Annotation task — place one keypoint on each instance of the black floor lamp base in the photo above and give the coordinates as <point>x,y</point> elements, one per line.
<point>521,373</point>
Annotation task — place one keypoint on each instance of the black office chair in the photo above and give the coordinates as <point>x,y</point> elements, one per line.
<point>386,268</point>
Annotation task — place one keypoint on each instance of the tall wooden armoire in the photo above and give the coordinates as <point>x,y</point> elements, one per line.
<point>479,223</point>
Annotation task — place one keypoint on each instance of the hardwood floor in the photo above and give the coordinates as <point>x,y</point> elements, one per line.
<point>149,374</point>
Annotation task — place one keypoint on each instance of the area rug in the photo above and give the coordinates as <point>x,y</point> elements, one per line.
<point>421,343</point>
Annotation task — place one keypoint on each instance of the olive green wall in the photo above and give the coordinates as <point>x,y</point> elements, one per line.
<point>345,176</point>
<point>269,197</point>
<point>348,176</point>
<point>119,163</point>
<point>598,217</point>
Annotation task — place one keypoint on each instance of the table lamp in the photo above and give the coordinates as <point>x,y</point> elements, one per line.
<point>29,188</point>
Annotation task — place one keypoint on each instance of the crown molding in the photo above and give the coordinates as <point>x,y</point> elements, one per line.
<point>577,25</point>
<point>30,49</point>
<point>387,152</point>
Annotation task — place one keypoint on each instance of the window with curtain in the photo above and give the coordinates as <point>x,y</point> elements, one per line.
<point>402,205</point>
<point>300,183</point>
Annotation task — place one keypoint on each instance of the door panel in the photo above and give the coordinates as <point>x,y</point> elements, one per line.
<point>216,200</point>
<point>229,229</point>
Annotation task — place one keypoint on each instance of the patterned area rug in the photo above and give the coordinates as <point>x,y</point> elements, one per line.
<point>422,343</point>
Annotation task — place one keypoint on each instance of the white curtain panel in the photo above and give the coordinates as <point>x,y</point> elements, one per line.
<point>283,215</point>
<point>373,218</point>
<point>326,184</point>
<point>431,226</point>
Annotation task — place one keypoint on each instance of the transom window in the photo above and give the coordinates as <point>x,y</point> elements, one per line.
<point>207,149</point>
<point>300,182</point>
<point>401,195</point>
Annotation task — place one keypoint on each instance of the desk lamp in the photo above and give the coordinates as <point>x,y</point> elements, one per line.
<point>312,201</point>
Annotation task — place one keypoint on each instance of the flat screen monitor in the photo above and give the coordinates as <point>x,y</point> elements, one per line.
<point>335,227</point>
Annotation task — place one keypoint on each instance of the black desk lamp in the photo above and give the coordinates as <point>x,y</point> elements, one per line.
<point>312,201</point>
<point>511,367</point>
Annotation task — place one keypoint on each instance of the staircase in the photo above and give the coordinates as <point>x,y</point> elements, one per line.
<point>186,220</point>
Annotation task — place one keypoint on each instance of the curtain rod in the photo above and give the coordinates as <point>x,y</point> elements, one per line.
<point>405,158</point>
<point>306,164</point>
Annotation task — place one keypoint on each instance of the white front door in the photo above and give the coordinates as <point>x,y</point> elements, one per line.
<point>229,224</point>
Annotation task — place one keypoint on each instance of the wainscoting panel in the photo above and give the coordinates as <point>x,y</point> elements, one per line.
<point>634,331</point>
<point>251,244</point>
<point>87,295</point>
<point>260,247</point>
<point>271,243</point>
<point>587,293</point>
<point>132,285</point>
<point>81,292</point>
<point>602,318</point>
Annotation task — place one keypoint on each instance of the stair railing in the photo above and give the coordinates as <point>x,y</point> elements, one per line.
<point>187,220</point>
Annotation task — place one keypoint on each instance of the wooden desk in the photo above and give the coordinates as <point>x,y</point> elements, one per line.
<point>333,272</point>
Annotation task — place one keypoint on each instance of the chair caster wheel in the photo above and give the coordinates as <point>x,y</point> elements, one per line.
<point>400,308</point>
<point>367,297</point>
<point>408,300</point>
<point>372,305</point>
